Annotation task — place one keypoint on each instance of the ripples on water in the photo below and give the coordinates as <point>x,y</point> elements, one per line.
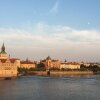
<point>51,88</point>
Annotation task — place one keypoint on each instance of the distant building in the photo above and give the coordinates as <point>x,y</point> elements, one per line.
<point>8,66</point>
<point>50,63</point>
<point>70,65</point>
<point>27,64</point>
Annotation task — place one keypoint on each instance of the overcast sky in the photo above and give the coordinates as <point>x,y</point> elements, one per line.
<point>59,28</point>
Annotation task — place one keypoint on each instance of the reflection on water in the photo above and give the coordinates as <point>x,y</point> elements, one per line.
<point>51,88</point>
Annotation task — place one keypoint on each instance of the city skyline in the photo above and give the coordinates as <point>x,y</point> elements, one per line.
<point>58,28</point>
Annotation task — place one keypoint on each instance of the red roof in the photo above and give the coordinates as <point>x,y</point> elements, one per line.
<point>70,63</point>
<point>26,62</point>
<point>4,60</point>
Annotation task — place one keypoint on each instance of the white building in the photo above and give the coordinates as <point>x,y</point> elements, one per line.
<point>70,65</point>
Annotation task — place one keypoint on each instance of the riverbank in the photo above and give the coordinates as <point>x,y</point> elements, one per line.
<point>58,73</point>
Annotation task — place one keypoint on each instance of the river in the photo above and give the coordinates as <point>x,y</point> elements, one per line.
<point>51,88</point>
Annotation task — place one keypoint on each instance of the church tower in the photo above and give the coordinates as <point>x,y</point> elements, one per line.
<point>3,54</point>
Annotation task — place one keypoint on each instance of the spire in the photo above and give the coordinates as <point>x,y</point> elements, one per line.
<point>9,56</point>
<point>3,54</point>
<point>65,60</point>
<point>27,59</point>
<point>3,48</point>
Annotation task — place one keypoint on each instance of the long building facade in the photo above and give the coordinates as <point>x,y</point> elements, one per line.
<point>69,65</point>
<point>27,64</point>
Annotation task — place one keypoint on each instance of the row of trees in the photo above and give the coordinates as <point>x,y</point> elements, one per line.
<point>94,68</point>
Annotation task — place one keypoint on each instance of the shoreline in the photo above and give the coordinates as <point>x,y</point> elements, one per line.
<point>58,73</point>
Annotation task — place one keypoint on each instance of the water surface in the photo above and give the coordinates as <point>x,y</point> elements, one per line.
<point>51,88</point>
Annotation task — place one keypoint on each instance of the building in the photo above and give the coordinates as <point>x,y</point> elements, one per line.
<point>50,63</point>
<point>27,64</point>
<point>69,65</point>
<point>8,66</point>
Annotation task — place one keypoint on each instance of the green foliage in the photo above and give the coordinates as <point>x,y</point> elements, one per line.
<point>54,69</point>
<point>93,68</point>
<point>40,67</point>
<point>31,69</point>
<point>63,69</point>
<point>83,67</point>
<point>22,70</point>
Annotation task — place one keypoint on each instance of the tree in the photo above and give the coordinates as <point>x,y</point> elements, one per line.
<point>83,67</point>
<point>40,66</point>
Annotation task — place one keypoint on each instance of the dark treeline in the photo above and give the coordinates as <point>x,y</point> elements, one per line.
<point>94,68</point>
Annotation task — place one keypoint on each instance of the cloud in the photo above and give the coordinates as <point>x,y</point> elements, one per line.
<point>54,9</point>
<point>56,40</point>
<point>43,32</point>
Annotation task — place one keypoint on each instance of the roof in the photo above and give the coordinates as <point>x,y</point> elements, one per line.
<point>11,60</point>
<point>26,62</point>
<point>55,60</point>
<point>51,60</point>
<point>15,58</point>
<point>3,52</point>
<point>70,63</point>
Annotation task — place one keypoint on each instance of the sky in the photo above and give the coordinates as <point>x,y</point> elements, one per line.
<point>62,29</point>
